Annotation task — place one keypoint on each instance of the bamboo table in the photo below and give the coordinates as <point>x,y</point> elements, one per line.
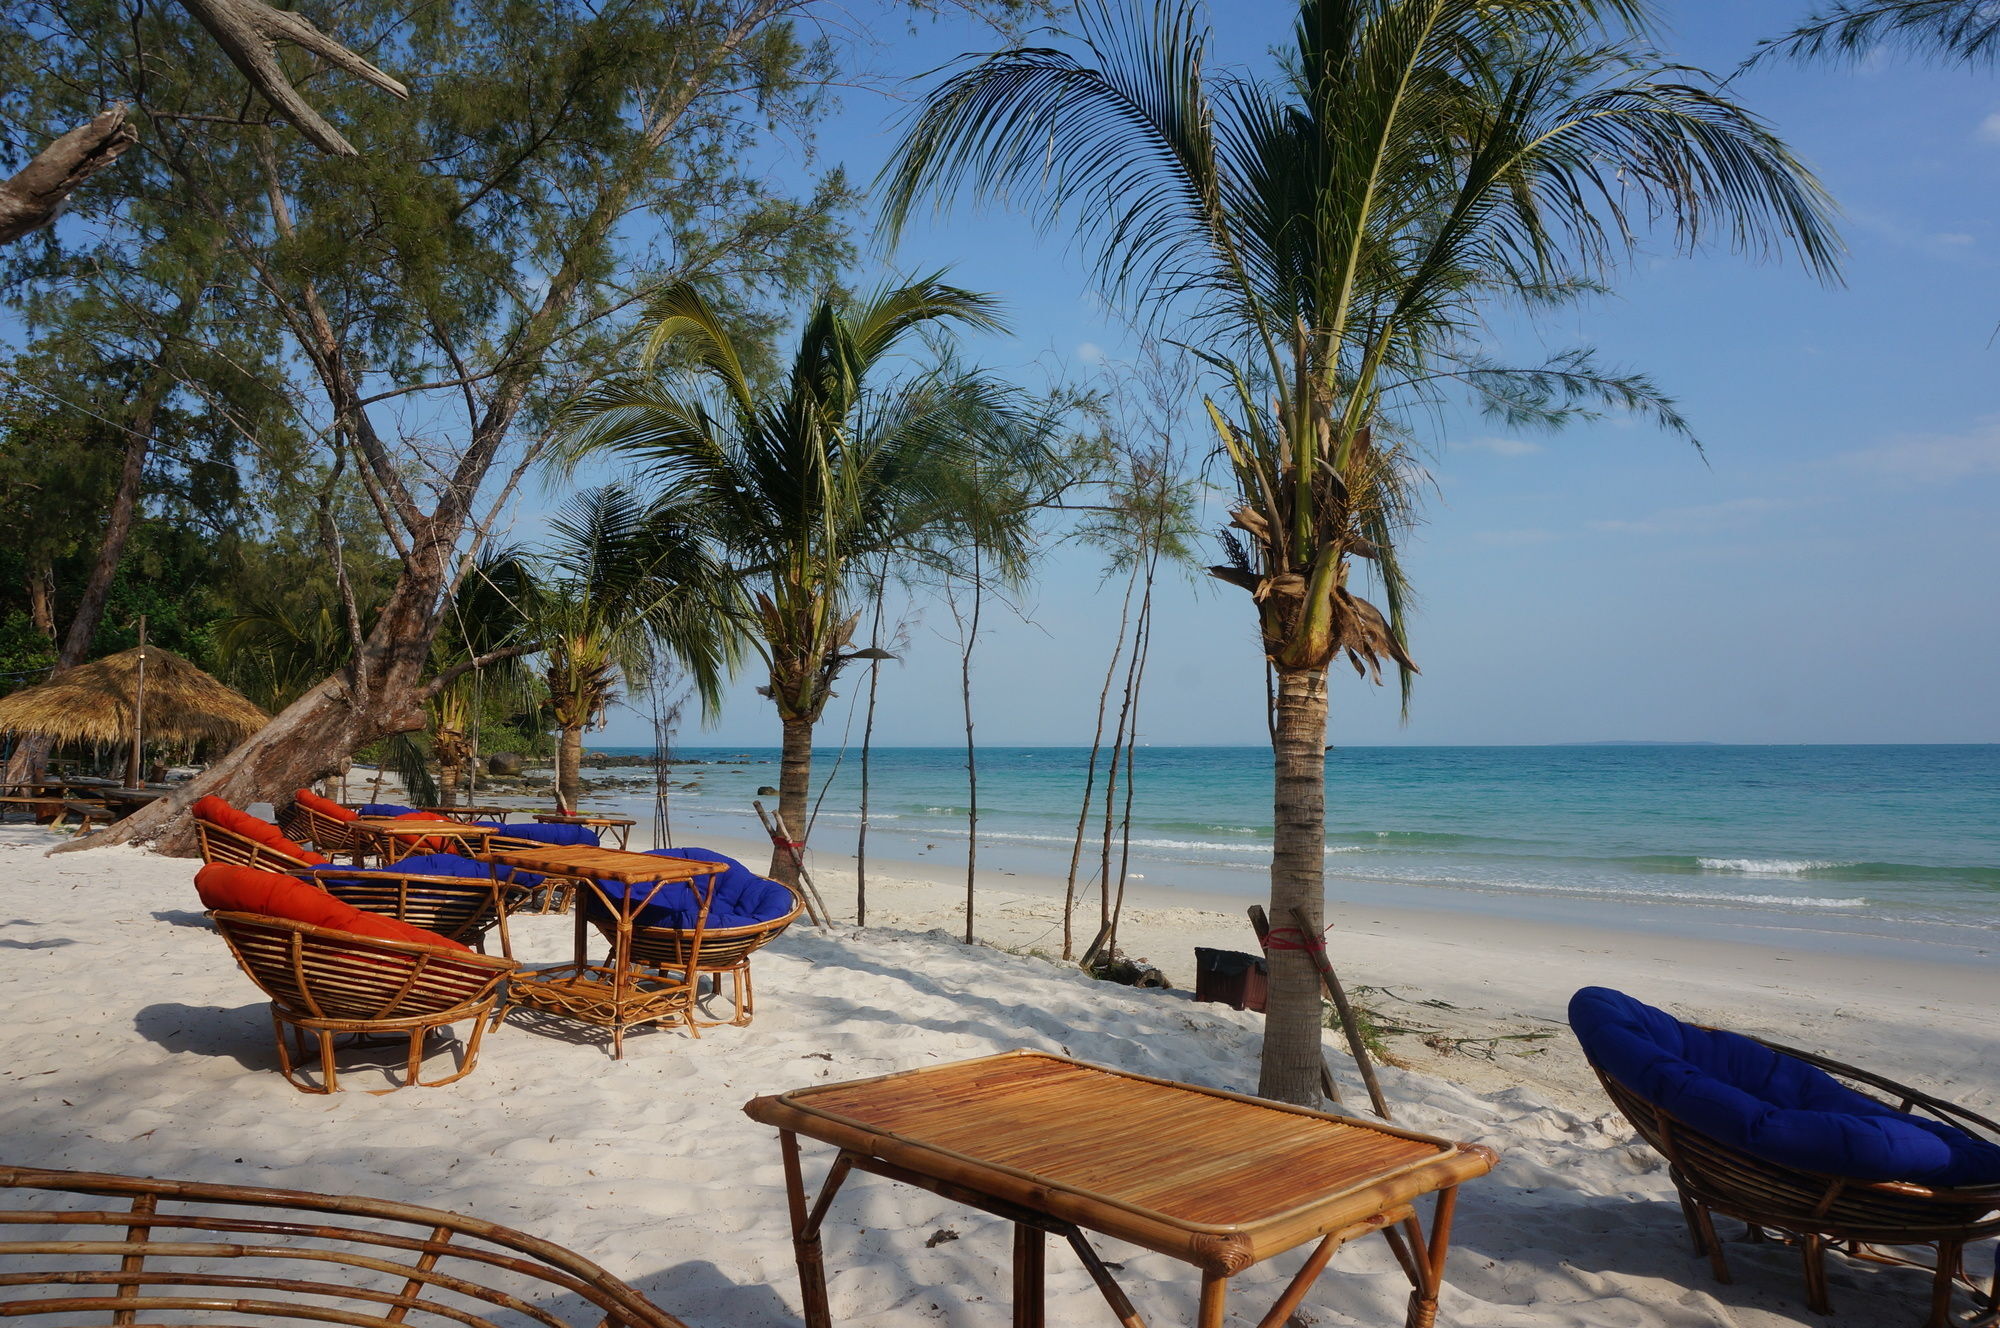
<point>468,811</point>
<point>612,994</point>
<point>1055,1145</point>
<point>618,825</point>
<point>401,838</point>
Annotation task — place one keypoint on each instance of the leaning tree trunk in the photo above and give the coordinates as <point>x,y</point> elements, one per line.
<point>794,791</point>
<point>1292,1020</point>
<point>569,768</point>
<point>380,694</point>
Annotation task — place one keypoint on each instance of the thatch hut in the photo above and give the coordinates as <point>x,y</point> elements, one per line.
<point>101,703</point>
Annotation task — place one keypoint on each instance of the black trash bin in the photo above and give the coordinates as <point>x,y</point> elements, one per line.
<point>1231,977</point>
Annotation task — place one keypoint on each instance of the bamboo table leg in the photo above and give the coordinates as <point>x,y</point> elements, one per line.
<point>1214,1291</point>
<point>1424,1260</point>
<point>806,1247</point>
<point>1030,1260</point>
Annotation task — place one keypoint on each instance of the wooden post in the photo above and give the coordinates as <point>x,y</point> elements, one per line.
<point>1096,944</point>
<point>1261,924</point>
<point>1347,1021</point>
<point>132,764</point>
<point>781,836</point>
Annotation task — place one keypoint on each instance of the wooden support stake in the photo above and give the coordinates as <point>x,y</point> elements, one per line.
<point>1261,924</point>
<point>805,877</point>
<point>1347,1021</point>
<point>780,835</point>
<point>1096,944</point>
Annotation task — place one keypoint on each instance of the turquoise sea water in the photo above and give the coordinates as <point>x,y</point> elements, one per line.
<point>1905,838</point>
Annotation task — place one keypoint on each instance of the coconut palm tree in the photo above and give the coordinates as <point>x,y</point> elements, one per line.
<point>619,583</point>
<point>799,486</point>
<point>1329,238</point>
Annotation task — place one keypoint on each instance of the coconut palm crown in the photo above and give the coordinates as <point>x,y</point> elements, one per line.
<point>849,457</point>
<point>621,580</point>
<point>1330,241</point>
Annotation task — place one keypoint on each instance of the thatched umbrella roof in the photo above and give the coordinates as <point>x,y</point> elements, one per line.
<point>93,703</point>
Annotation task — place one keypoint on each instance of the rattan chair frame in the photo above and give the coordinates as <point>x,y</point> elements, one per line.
<point>326,984</point>
<point>329,834</point>
<point>220,845</point>
<point>722,950</point>
<point>166,1254</point>
<point>459,908</point>
<point>1817,1211</point>
<point>556,892</point>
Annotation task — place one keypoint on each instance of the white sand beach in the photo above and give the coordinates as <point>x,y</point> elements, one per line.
<point>134,1045</point>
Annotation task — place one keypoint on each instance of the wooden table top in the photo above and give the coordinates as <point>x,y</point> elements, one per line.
<point>604,864</point>
<point>398,827</point>
<point>1216,1179</point>
<point>582,818</point>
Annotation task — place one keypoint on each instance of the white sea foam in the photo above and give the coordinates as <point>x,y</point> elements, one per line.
<point>1768,866</point>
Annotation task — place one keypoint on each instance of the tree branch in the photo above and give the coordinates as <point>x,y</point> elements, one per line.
<point>465,666</point>
<point>32,198</point>
<point>246,30</point>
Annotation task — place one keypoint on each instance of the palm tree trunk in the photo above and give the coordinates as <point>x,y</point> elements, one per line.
<point>453,749</point>
<point>794,790</point>
<point>569,768</point>
<point>1292,1021</point>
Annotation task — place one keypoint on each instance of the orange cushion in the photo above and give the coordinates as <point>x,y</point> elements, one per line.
<point>217,812</point>
<point>324,806</point>
<point>226,886</point>
<point>426,845</point>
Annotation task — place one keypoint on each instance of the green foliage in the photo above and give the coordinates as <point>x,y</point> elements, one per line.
<point>1959,31</point>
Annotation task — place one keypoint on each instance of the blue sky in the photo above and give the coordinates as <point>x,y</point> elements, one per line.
<point>1827,576</point>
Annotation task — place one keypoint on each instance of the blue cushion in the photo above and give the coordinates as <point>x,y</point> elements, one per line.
<point>742,897</point>
<point>1767,1104</point>
<point>556,836</point>
<point>445,864</point>
<point>384,809</point>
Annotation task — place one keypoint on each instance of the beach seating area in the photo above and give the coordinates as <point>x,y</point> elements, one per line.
<point>648,1170</point>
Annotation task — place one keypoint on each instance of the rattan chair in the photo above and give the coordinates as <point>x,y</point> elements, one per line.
<point>94,1249</point>
<point>1860,1217</point>
<point>220,845</point>
<point>328,984</point>
<point>721,950</point>
<point>329,834</point>
<point>459,908</point>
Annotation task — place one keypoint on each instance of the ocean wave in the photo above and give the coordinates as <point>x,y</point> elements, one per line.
<point>1770,866</point>
<point>1816,869</point>
<point>1509,886</point>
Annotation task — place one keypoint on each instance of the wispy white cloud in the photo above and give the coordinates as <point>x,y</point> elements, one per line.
<point>1090,353</point>
<point>1506,447</point>
<point>1704,519</point>
<point>1960,246</point>
<point>1513,539</point>
<point>1933,458</point>
<point>1989,129</point>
